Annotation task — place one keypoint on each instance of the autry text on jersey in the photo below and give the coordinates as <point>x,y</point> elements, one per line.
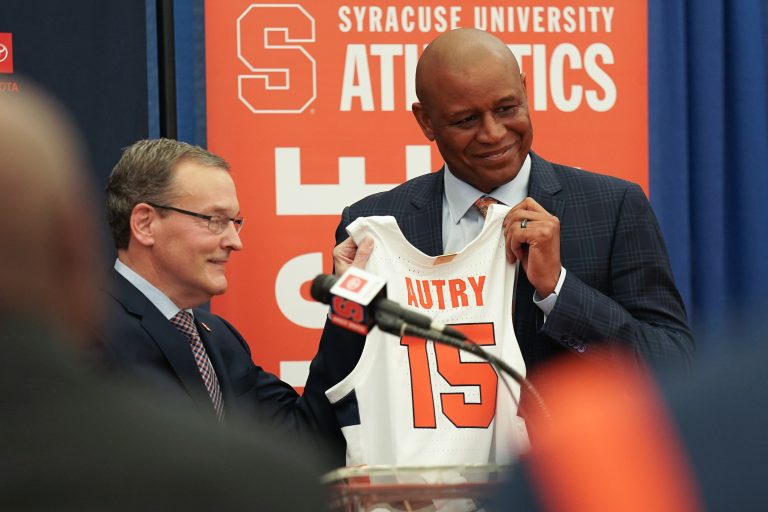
<point>448,293</point>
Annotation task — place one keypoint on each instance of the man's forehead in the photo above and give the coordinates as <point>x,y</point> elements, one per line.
<point>194,176</point>
<point>186,166</point>
<point>458,54</point>
<point>488,70</point>
<point>481,84</point>
<point>207,184</point>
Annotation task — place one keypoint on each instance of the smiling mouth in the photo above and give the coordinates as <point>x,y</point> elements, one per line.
<point>495,155</point>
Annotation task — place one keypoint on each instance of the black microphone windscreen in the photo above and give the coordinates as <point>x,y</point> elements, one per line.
<point>321,287</point>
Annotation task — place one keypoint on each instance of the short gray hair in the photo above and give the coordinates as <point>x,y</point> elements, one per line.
<point>143,175</point>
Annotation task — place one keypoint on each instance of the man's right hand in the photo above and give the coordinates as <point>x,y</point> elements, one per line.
<point>532,236</point>
<point>347,254</point>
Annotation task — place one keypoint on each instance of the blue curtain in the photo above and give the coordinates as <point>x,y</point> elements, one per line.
<point>189,28</point>
<point>189,45</point>
<point>708,123</point>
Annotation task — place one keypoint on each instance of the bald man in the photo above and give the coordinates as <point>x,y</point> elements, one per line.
<point>69,441</point>
<point>595,276</point>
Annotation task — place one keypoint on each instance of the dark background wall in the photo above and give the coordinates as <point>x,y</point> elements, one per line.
<point>92,56</point>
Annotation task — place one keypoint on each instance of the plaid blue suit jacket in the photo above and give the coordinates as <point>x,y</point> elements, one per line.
<point>618,293</point>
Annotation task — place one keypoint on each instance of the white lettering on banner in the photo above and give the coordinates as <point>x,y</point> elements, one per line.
<point>562,102</point>
<point>296,272</point>
<point>356,82</point>
<point>547,66</point>
<point>539,76</point>
<point>600,77</point>
<point>539,19</point>
<point>386,54</point>
<point>357,79</point>
<point>548,77</point>
<point>508,18</point>
<point>272,88</point>
<point>411,58</point>
<point>294,198</point>
<point>364,18</point>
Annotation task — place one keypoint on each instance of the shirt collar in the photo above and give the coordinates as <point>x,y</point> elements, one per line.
<point>150,291</point>
<point>460,195</point>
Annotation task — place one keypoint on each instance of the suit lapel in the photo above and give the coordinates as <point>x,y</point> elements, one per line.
<point>544,186</point>
<point>423,227</point>
<point>173,344</point>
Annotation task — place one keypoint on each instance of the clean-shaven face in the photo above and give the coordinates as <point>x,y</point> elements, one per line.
<point>190,259</point>
<point>478,117</point>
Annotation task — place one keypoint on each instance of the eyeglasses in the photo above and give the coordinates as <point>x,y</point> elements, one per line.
<point>216,223</point>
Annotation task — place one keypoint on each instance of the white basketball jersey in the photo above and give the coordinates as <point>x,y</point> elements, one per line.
<point>415,402</point>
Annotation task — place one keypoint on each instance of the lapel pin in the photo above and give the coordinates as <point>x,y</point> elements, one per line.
<point>205,326</point>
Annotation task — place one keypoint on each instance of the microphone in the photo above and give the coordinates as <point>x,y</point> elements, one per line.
<point>358,302</point>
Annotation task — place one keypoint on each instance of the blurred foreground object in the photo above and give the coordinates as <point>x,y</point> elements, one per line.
<point>610,445</point>
<point>69,441</point>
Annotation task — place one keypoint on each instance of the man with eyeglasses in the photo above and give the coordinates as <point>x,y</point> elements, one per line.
<point>174,216</point>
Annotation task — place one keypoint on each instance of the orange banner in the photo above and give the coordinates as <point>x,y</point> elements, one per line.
<point>310,103</point>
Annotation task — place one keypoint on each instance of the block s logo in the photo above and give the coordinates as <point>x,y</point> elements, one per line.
<point>283,75</point>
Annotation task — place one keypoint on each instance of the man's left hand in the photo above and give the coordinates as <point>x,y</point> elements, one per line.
<point>532,237</point>
<point>347,254</point>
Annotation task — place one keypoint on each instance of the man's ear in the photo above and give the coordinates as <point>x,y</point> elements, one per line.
<point>420,113</point>
<point>142,222</point>
<point>525,85</point>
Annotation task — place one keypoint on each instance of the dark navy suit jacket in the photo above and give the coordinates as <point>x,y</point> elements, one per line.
<point>618,291</point>
<point>141,342</point>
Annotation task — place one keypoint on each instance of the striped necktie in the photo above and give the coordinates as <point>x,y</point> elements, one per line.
<point>483,203</point>
<point>184,323</point>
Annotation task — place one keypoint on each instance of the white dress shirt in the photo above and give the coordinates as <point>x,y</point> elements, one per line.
<point>155,296</point>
